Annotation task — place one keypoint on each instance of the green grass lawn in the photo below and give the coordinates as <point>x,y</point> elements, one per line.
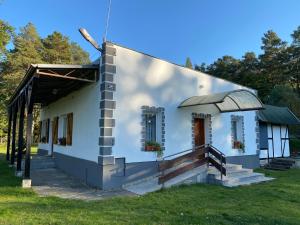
<point>276,202</point>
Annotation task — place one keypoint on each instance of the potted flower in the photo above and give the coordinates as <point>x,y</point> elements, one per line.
<point>238,145</point>
<point>152,146</point>
<point>62,141</point>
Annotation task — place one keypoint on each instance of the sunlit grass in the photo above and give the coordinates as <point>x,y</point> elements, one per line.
<point>276,202</point>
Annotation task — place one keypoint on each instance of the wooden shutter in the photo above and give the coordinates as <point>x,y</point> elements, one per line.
<point>47,130</point>
<point>69,128</point>
<point>40,131</point>
<point>55,130</point>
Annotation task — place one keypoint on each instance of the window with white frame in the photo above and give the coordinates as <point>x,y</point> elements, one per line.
<point>44,131</point>
<point>237,132</point>
<point>153,129</point>
<point>65,129</point>
<point>62,129</point>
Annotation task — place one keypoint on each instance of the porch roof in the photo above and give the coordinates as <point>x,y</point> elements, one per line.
<point>50,82</point>
<point>278,115</point>
<point>230,101</point>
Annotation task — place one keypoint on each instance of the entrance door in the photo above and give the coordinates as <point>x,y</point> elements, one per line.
<point>199,132</point>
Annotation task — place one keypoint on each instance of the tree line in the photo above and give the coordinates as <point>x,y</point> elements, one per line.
<point>19,50</point>
<point>275,73</point>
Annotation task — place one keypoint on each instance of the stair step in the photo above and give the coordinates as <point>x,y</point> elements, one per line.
<point>281,163</point>
<point>284,160</point>
<point>276,167</point>
<point>41,162</point>
<point>249,182</point>
<point>235,176</point>
<point>150,183</point>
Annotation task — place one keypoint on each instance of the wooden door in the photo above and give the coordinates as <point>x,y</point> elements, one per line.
<point>199,132</point>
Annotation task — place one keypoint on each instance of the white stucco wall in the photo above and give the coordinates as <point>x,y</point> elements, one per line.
<point>278,144</point>
<point>144,80</point>
<point>84,104</point>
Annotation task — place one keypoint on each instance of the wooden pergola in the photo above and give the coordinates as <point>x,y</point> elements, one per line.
<point>42,84</point>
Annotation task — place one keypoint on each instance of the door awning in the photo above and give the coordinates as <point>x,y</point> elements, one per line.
<point>230,101</point>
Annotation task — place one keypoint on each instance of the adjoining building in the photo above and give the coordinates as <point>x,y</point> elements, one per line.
<point>274,125</point>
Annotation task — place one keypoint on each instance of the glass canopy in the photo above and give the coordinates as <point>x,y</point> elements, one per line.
<point>237,100</point>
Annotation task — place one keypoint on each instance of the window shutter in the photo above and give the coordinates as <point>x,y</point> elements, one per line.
<point>55,131</point>
<point>47,130</point>
<point>40,131</point>
<point>69,129</point>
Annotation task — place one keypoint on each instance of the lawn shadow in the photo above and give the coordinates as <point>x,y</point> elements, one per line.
<point>7,174</point>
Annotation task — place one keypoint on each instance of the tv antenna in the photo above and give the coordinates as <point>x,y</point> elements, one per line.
<point>89,38</point>
<point>107,21</point>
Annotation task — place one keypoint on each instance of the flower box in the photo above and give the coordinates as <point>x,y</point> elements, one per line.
<point>238,145</point>
<point>150,148</point>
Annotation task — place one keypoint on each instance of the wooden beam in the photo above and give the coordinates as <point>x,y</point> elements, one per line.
<point>8,133</point>
<point>64,77</point>
<point>218,166</point>
<point>181,170</point>
<point>13,141</point>
<point>197,154</point>
<point>29,104</point>
<point>21,131</point>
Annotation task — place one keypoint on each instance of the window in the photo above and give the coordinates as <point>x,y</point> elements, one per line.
<point>44,131</point>
<point>65,129</point>
<point>153,128</point>
<point>234,130</point>
<point>237,132</point>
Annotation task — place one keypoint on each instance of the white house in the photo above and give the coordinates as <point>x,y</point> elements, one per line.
<point>99,121</point>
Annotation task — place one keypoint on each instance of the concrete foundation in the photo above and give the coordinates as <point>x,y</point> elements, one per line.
<point>26,183</point>
<point>247,161</point>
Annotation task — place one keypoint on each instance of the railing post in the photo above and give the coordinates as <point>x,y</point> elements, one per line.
<point>221,168</point>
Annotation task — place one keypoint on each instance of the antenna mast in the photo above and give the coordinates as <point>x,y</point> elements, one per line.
<point>107,21</point>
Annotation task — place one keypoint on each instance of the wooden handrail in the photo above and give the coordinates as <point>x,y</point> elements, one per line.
<point>181,159</point>
<point>196,158</point>
<point>217,165</point>
<point>181,170</point>
<point>216,154</point>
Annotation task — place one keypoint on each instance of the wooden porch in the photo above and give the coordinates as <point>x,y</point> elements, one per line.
<point>42,84</point>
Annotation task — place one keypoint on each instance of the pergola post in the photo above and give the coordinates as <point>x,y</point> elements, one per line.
<point>13,141</point>
<point>21,138</point>
<point>29,104</point>
<point>8,133</point>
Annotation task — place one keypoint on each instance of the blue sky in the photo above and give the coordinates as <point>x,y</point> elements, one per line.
<point>170,29</point>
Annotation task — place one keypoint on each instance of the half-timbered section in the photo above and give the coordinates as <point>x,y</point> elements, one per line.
<point>274,125</point>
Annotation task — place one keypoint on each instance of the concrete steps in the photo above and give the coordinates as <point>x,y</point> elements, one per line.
<point>150,184</point>
<point>41,162</point>
<point>280,164</point>
<point>236,176</point>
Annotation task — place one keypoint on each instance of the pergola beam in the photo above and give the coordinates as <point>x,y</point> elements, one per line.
<point>64,76</point>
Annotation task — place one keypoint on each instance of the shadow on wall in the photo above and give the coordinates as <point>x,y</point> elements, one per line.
<point>144,80</point>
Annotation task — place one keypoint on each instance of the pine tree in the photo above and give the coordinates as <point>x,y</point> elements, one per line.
<point>188,63</point>
<point>30,48</point>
